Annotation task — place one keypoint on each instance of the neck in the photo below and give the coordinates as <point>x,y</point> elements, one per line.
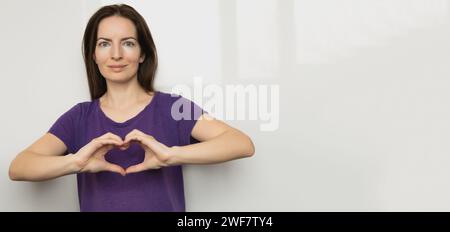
<point>123,95</point>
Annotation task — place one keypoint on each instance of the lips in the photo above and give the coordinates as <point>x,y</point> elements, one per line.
<point>117,66</point>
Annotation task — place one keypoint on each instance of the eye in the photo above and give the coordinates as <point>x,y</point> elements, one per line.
<point>103,44</point>
<point>129,44</point>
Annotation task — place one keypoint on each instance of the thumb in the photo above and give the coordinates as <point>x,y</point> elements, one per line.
<point>93,147</point>
<point>114,168</point>
<point>103,150</point>
<point>136,168</point>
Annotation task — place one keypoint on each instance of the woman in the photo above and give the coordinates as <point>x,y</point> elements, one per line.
<point>126,145</point>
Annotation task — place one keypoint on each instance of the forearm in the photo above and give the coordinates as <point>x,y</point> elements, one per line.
<point>30,166</point>
<point>227,146</point>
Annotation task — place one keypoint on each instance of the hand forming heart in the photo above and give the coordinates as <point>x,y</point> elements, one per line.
<point>91,157</point>
<point>156,153</point>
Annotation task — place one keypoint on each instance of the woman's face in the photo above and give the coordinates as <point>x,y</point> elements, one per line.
<point>117,51</point>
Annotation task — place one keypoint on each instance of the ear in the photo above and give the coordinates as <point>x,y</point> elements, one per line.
<point>142,58</point>
<point>93,56</point>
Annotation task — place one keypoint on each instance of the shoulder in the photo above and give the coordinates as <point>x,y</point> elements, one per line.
<point>170,101</point>
<point>179,106</point>
<point>80,109</point>
<point>166,97</point>
<point>174,100</point>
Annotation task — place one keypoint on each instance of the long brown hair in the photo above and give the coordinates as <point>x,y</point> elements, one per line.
<point>147,69</point>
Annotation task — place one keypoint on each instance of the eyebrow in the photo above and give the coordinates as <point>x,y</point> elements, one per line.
<point>126,38</point>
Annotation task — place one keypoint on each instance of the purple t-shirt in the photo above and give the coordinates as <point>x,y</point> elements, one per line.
<point>151,190</point>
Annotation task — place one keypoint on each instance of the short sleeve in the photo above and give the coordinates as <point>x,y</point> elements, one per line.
<point>65,127</point>
<point>186,113</point>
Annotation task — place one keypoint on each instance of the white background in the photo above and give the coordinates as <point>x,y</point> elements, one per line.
<point>364,97</point>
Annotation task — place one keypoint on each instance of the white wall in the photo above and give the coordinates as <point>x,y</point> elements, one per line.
<point>364,97</point>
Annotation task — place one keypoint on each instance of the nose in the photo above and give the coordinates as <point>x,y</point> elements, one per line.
<point>116,52</point>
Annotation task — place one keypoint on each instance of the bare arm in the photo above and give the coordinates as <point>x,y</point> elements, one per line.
<point>219,143</point>
<point>43,160</point>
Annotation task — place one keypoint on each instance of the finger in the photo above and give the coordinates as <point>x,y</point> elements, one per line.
<point>136,168</point>
<point>124,147</point>
<point>148,140</point>
<point>93,146</point>
<point>110,135</point>
<point>133,133</point>
<point>152,143</point>
<point>145,148</point>
<point>114,168</point>
<point>106,141</point>
<point>132,136</point>
<point>144,141</point>
<point>129,136</point>
<point>106,148</point>
<point>102,145</point>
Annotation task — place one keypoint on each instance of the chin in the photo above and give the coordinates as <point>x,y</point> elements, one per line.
<point>118,77</point>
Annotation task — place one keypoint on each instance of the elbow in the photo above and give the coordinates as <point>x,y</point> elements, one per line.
<point>252,150</point>
<point>245,147</point>
<point>13,173</point>
<point>250,147</point>
<point>13,177</point>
